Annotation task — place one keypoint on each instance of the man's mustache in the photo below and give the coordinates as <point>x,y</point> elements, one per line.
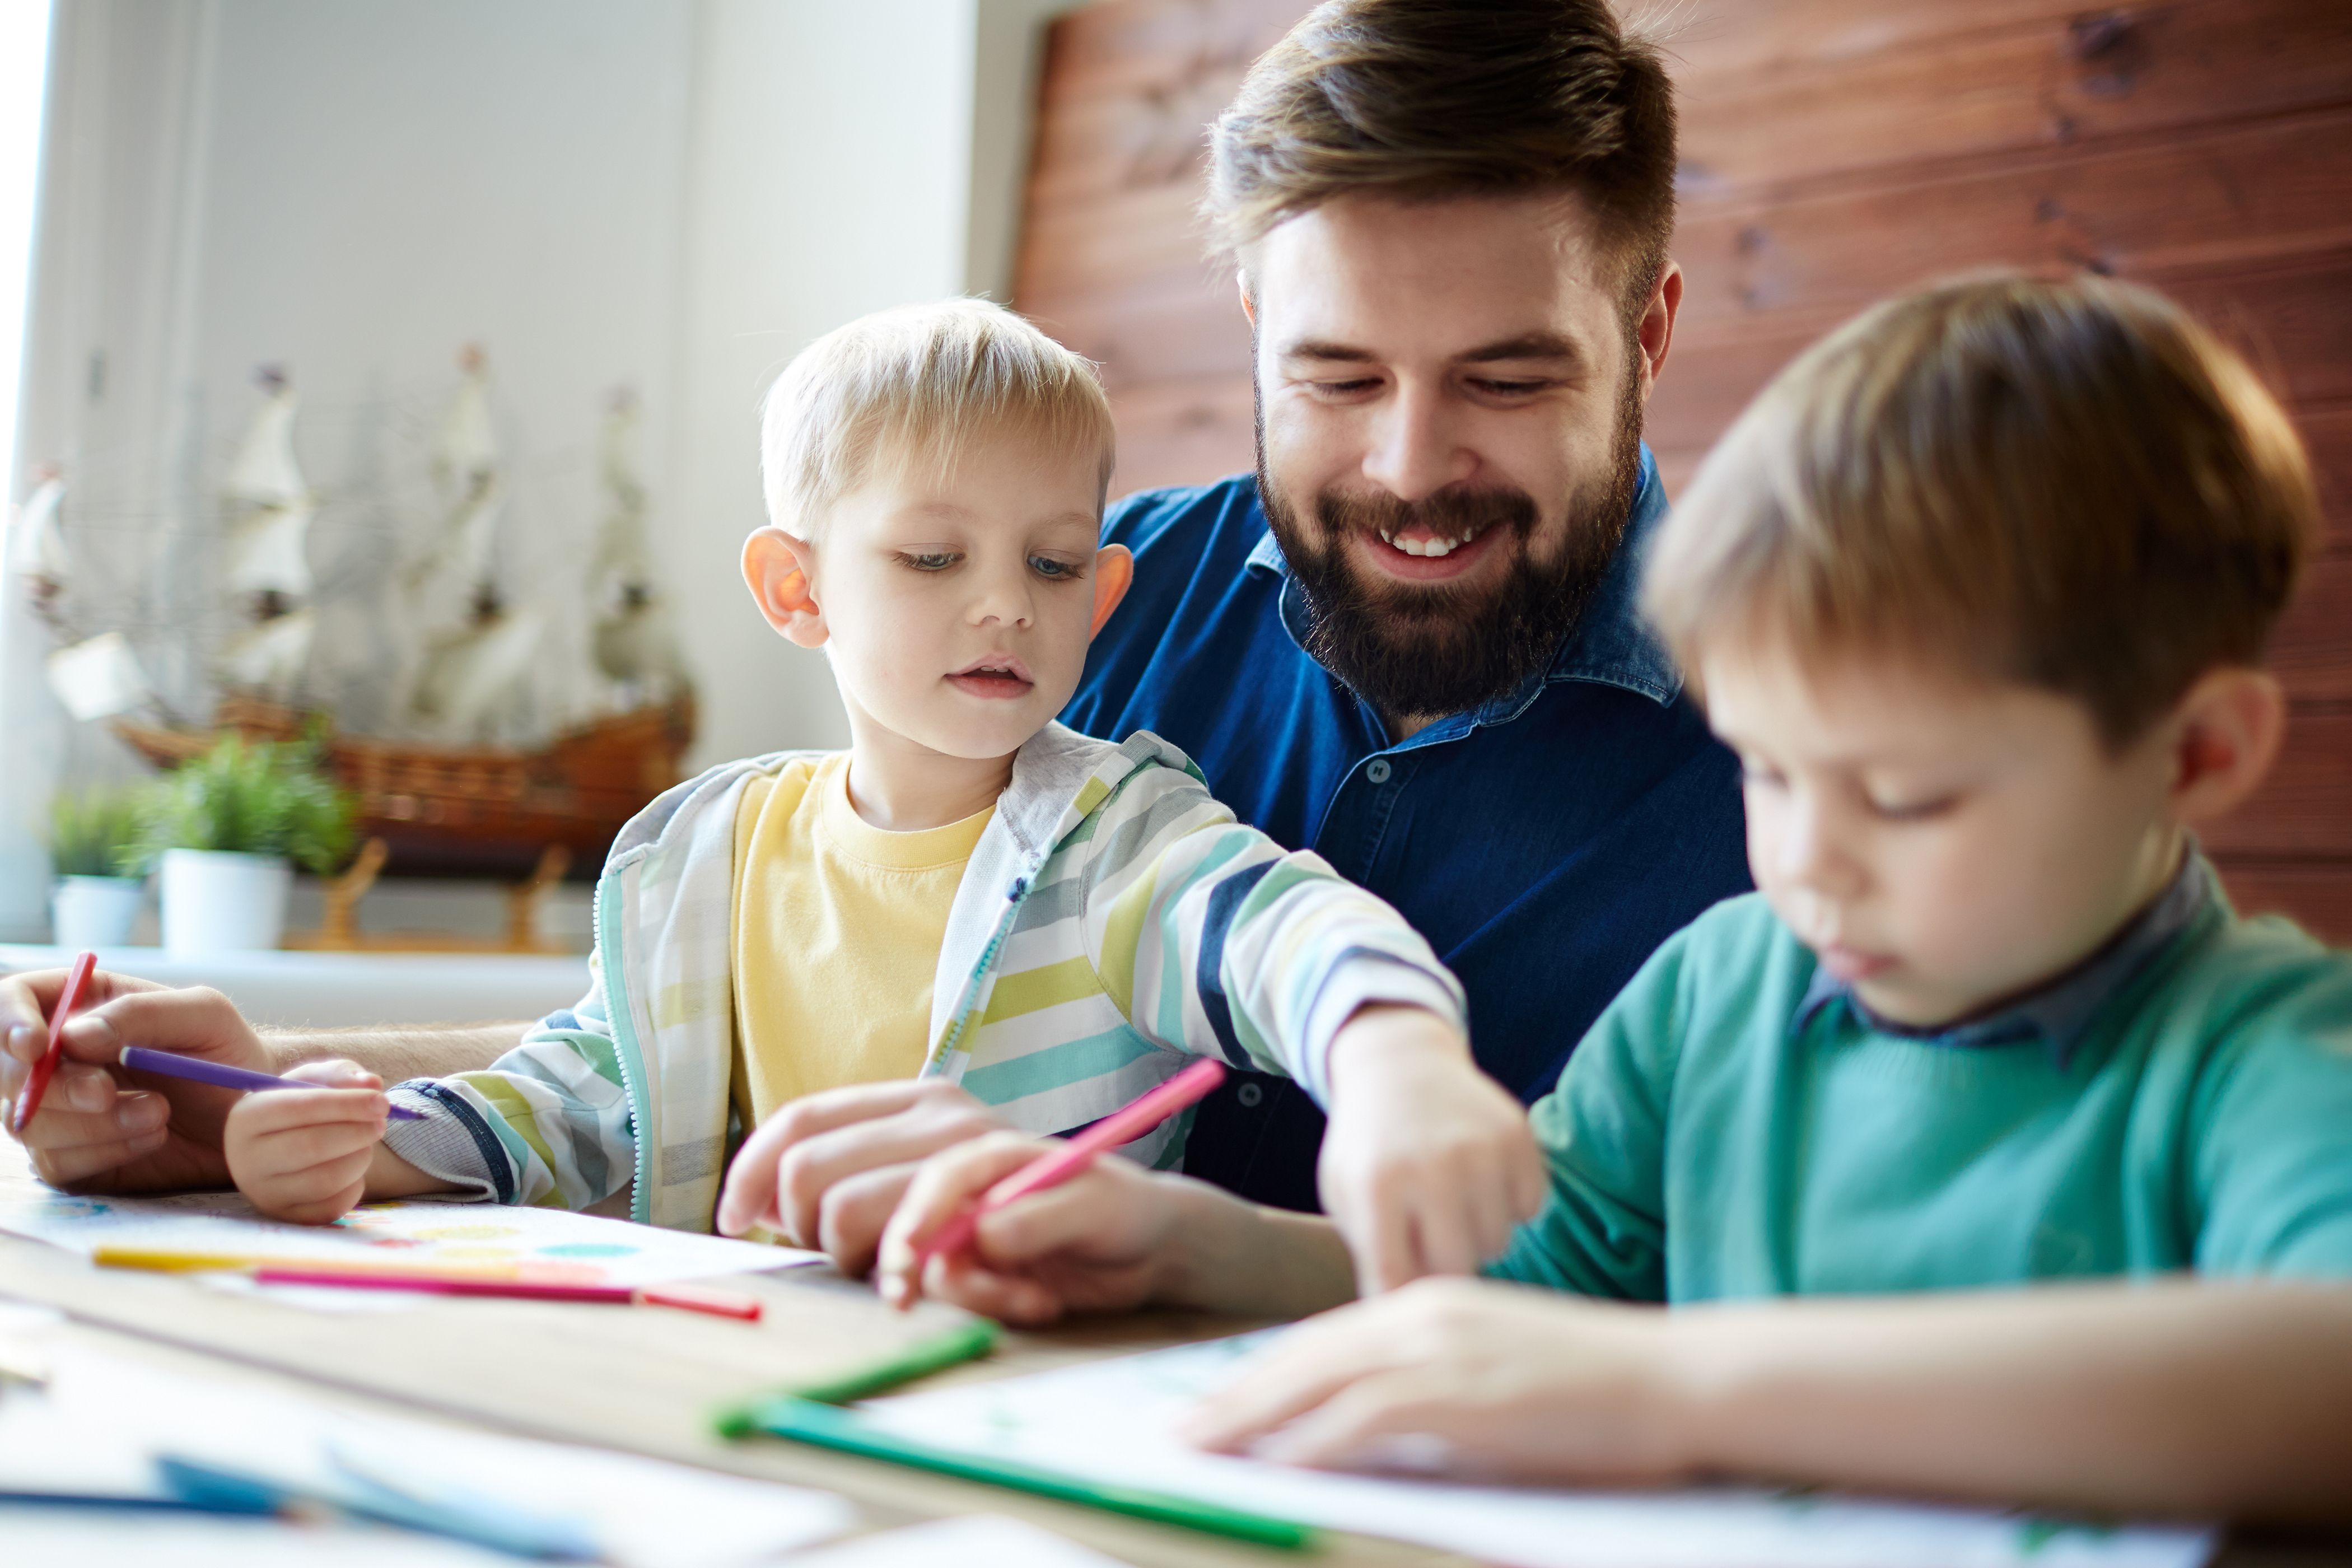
<point>1449,514</point>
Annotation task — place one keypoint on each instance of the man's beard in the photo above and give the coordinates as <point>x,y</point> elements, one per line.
<point>1416,650</point>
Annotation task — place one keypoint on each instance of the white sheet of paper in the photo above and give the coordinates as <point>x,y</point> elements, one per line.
<point>551,1244</point>
<point>101,1420</point>
<point>981,1541</point>
<point>1112,1421</point>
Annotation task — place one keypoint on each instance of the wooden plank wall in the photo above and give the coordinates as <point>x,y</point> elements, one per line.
<point>1833,150</point>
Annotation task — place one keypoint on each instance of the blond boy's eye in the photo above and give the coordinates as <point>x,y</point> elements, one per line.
<point>929,559</point>
<point>1050,569</point>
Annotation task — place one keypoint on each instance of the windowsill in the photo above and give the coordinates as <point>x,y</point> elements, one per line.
<point>341,990</point>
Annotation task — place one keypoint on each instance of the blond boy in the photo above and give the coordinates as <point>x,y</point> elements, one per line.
<point>2054,1141</point>
<point>971,894</point>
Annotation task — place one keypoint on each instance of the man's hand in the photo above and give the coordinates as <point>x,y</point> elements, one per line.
<point>1098,1242</point>
<point>99,1130</point>
<point>1428,1163</point>
<point>1466,1377</point>
<point>827,1169</point>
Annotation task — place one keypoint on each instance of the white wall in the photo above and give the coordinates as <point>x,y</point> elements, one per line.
<point>677,195</point>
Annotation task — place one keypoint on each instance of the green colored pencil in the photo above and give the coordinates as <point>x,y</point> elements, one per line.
<point>829,1427</point>
<point>966,1341</point>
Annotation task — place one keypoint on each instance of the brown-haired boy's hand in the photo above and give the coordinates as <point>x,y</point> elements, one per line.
<point>100,1131</point>
<point>1428,1163</point>
<point>827,1169</point>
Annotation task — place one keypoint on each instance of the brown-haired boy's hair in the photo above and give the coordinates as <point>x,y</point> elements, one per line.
<point>2069,485</point>
<point>1429,98</point>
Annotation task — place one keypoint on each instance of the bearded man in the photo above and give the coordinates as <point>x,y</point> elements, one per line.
<point>1409,640</point>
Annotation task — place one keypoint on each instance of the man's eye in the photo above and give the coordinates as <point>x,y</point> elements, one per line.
<point>1511,388</point>
<point>1344,388</point>
<point>929,559</point>
<point>1053,570</point>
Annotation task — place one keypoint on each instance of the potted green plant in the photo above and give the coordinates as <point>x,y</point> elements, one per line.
<point>95,848</point>
<point>228,828</point>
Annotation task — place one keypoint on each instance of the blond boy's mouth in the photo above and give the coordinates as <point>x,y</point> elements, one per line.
<point>998,676</point>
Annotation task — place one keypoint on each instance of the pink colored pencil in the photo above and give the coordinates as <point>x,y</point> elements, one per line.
<point>1122,1126</point>
<point>717,1303</point>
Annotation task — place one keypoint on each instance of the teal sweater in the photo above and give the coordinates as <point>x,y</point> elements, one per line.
<point>1703,1146</point>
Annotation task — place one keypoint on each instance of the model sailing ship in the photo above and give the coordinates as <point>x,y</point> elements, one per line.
<point>450,788</point>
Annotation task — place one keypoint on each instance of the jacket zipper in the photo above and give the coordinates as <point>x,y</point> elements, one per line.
<point>952,1036</point>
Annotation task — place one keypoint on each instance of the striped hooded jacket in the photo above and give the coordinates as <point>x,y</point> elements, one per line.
<point>1114,921</point>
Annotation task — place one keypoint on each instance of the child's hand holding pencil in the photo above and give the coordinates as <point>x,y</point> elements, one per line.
<point>308,1154</point>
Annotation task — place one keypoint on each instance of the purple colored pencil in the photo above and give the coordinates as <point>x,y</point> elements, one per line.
<point>139,1058</point>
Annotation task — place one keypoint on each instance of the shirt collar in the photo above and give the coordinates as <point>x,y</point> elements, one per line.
<point>1611,645</point>
<point>2056,1013</point>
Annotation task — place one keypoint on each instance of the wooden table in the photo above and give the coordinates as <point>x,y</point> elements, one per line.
<point>518,1366</point>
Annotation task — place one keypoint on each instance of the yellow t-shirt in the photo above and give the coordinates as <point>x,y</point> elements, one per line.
<point>837,926</point>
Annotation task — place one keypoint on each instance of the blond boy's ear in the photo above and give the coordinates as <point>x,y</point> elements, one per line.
<point>1114,575</point>
<point>776,568</point>
<point>2229,729</point>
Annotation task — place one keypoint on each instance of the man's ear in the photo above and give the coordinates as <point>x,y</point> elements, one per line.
<point>1114,575</point>
<point>1656,333</point>
<point>776,568</point>
<point>2227,731</point>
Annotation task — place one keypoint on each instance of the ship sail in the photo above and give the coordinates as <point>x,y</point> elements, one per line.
<point>457,562</point>
<point>631,638</point>
<point>472,678</point>
<point>36,541</point>
<point>267,509</point>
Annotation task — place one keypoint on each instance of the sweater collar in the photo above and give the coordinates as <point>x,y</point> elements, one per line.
<point>2057,1012</point>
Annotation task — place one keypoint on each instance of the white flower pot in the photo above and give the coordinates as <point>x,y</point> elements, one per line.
<point>219,903</point>
<point>95,911</point>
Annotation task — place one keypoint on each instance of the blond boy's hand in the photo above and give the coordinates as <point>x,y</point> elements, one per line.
<point>304,1154</point>
<point>827,1169</point>
<point>1102,1241</point>
<point>1428,1163</point>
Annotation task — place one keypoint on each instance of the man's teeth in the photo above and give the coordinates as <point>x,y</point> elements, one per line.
<point>1428,547</point>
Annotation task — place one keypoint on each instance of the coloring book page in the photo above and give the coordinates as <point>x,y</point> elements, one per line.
<point>553,1247</point>
<point>1112,1421</point>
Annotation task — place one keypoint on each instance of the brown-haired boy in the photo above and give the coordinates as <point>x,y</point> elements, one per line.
<point>1979,590</point>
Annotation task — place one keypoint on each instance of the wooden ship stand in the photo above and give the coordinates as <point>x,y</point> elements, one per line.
<point>464,811</point>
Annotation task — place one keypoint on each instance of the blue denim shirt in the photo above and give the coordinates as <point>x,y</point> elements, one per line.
<point>1545,843</point>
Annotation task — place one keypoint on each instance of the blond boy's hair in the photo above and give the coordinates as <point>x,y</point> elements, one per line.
<point>911,386</point>
<point>2068,485</point>
<point>1418,100</point>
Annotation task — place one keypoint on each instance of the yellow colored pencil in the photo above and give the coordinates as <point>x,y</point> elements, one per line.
<point>163,1261</point>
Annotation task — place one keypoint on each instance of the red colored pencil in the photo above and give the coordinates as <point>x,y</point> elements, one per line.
<point>37,1085</point>
<point>717,1303</point>
<point>1124,1125</point>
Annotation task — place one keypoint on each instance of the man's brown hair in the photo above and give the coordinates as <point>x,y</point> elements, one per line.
<point>1430,99</point>
<point>2068,485</point>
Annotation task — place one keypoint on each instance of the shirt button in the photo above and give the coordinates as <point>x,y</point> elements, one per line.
<point>1250,1096</point>
<point>1380,770</point>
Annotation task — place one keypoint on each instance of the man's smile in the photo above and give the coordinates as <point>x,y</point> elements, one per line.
<point>1419,553</point>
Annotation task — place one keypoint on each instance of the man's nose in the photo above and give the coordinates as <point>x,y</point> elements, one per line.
<point>1416,447</point>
